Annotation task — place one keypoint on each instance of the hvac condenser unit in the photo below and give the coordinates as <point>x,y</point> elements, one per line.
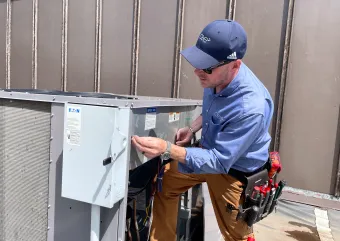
<point>66,156</point>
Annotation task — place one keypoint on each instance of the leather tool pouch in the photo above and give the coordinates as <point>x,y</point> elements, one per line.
<point>254,205</point>
<point>260,197</point>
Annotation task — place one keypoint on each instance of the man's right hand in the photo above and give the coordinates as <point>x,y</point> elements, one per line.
<point>184,136</point>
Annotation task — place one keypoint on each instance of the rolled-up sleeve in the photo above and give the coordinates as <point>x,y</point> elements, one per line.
<point>230,144</point>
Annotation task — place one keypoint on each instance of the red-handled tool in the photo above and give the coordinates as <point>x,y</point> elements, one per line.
<point>275,164</point>
<point>255,193</point>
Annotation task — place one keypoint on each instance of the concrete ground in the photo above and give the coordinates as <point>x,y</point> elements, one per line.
<point>299,222</point>
<point>293,221</point>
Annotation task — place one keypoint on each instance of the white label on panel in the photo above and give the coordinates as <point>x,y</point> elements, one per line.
<point>177,116</point>
<point>150,118</point>
<point>73,125</point>
<point>173,116</point>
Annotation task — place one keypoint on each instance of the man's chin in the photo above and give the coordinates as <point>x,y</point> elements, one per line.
<point>204,85</point>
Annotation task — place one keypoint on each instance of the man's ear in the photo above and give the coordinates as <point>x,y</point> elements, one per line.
<point>237,64</point>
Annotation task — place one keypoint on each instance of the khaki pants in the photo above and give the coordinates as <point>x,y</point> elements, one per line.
<point>223,189</point>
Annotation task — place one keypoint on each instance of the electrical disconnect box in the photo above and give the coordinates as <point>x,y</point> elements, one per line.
<point>95,157</point>
<point>75,157</point>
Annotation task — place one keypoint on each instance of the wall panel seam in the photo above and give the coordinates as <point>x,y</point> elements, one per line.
<point>234,9</point>
<point>337,157</point>
<point>8,43</point>
<point>98,40</point>
<point>283,79</point>
<point>178,47</point>
<point>35,44</point>
<point>64,46</point>
<point>231,9</point>
<point>337,181</point>
<point>135,47</point>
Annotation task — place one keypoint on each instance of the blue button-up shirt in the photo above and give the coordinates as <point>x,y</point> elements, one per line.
<point>235,125</point>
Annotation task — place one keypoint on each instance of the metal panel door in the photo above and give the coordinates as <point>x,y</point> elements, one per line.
<point>266,28</point>
<point>49,45</point>
<point>262,20</point>
<point>21,44</point>
<point>81,26</point>
<point>116,46</point>
<point>157,41</point>
<point>310,116</point>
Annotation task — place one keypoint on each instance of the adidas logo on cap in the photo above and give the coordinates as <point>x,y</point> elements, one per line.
<point>232,56</point>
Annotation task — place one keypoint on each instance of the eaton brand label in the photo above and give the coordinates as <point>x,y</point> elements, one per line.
<point>73,110</point>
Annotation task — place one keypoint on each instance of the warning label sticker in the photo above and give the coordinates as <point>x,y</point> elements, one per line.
<point>150,118</point>
<point>174,116</point>
<point>73,125</point>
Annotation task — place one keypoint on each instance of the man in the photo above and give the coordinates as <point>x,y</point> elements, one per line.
<point>236,114</point>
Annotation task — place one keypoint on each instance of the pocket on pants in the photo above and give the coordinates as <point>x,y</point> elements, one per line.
<point>237,229</point>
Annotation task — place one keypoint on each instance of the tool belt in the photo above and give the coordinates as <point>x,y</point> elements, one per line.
<point>260,189</point>
<point>260,192</point>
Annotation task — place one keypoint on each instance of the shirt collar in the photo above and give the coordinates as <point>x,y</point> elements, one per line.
<point>231,86</point>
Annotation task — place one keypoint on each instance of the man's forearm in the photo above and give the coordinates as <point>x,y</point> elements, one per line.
<point>196,125</point>
<point>178,153</point>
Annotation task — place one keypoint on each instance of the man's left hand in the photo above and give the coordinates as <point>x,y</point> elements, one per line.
<point>149,146</point>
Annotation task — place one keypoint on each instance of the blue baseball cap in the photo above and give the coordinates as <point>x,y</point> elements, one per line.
<point>221,40</point>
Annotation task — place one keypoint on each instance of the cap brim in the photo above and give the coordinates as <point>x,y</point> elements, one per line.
<point>197,58</point>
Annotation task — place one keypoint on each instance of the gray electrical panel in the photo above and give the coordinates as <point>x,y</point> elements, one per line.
<point>93,134</point>
<point>65,159</point>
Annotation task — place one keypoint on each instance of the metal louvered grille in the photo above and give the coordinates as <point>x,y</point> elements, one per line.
<point>24,170</point>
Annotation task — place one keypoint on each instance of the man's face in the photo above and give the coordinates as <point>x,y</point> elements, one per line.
<point>218,77</point>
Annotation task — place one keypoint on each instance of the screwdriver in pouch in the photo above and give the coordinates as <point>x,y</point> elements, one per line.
<point>278,193</point>
<point>270,200</point>
<point>255,193</point>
